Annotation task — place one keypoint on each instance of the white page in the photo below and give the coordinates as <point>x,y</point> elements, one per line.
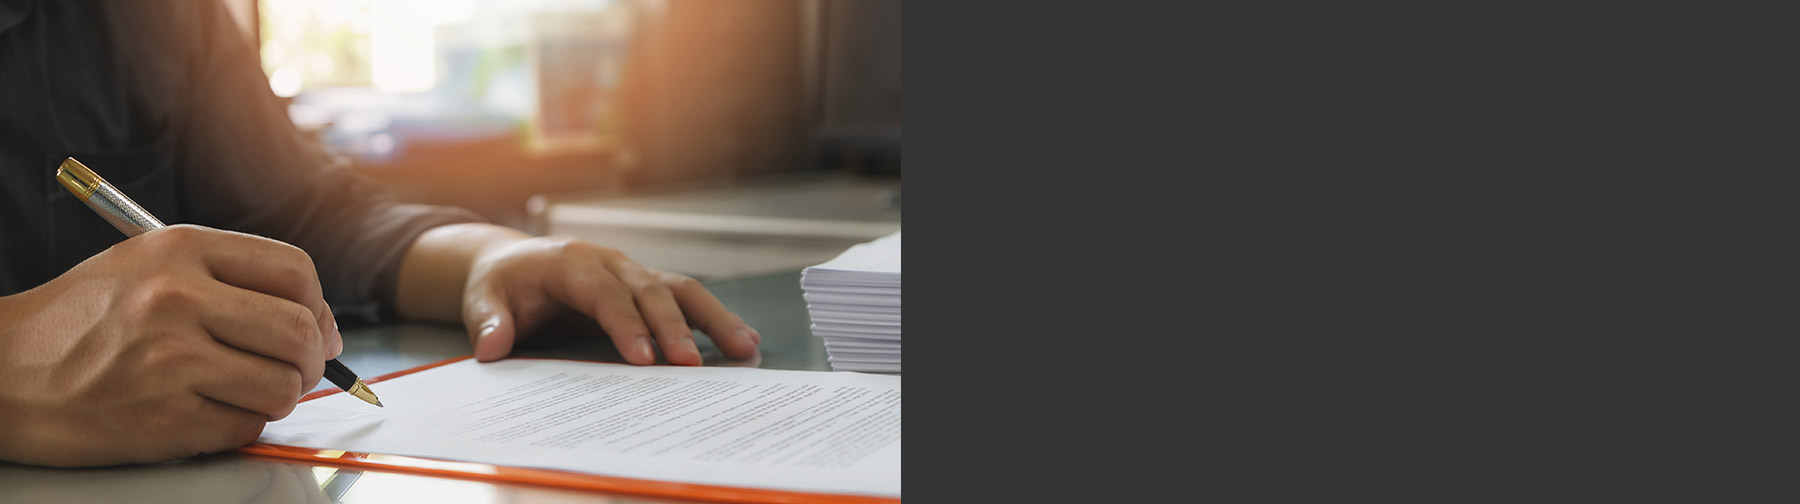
<point>864,366</point>
<point>862,345</point>
<point>862,330</point>
<point>892,339</point>
<point>891,316</point>
<point>856,323</point>
<point>854,300</point>
<point>852,289</point>
<point>810,431</point>
<point>864,357</point>
<point>879,256</point>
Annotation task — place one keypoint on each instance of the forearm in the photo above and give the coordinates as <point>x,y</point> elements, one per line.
<point>436,268</point>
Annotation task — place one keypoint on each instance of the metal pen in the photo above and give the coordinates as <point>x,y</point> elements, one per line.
<point>130,218</point>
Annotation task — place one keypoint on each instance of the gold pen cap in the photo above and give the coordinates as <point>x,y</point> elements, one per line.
<point>100,196</point>
<point>78,179</point>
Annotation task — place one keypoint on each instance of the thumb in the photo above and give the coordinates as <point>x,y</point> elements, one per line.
<point>490,324</point>
<point>334,340</point>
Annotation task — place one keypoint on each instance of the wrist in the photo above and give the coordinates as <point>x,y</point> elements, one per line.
<point>436,268</point>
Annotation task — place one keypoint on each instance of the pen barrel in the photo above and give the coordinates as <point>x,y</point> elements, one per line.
<point>338,374</point>
<point>121,211</point>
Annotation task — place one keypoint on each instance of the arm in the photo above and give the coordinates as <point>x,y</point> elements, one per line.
<point>247,168</point>
<point>260,175</point>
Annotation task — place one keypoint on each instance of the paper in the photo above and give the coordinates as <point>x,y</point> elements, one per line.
<point>872,264</point>
<point>855,298</point>
<point>808,431</point>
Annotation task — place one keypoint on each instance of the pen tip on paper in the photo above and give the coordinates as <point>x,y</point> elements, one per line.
<point>361,391</point>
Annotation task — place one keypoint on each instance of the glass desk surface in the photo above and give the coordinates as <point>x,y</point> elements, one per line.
<point>770,303</point>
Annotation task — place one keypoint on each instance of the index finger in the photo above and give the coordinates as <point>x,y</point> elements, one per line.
<point>729,332</point>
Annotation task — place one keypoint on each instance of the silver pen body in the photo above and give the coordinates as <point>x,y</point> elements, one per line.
<point>111,204</point>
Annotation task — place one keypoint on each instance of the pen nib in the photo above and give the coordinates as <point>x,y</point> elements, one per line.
<point>361,391</point>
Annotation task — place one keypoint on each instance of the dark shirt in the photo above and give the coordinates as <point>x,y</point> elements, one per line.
<point>167,101</point>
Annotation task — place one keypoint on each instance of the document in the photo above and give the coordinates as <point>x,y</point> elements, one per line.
<point>807,431</point>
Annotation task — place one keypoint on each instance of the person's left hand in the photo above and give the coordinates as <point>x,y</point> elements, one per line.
<point>515,283</point>
<point>502,284</point>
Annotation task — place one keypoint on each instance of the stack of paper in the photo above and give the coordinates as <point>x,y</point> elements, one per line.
<point>854,301</point>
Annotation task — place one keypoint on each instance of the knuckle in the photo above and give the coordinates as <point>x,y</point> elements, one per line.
<point>575,248</point>
<point>139,302</point>
<point>283,258</point>
<point>679,281</point>
<point>299,258</point>
<point>310,375</point>
<point>173,238</point>
<point>181,233</point>
<point>163,357</point>
<point>168,293</point>
<point>291,387</point>
<point>182,228</point>
<point>159,294</point>
<point>299,324</point>
<point>298,266</point>
<point>567,242</point>
<point>177,240</point>
<point>563,244</point>
<point>650,289</point>
<point>582,248</point>
<point>615,288</point>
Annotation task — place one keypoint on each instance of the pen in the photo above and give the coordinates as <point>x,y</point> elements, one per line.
<point>130,218</point>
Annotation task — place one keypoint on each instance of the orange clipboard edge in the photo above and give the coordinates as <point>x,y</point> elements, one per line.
<point>531,476</point>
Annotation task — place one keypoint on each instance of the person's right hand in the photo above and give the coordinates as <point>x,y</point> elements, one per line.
<point>180,341</point>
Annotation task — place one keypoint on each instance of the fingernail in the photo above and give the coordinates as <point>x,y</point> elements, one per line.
<point>647,348</point>
<point>337,340</point>
<point>688,342</point>
<point>752,334</point>
<point>486,329</point>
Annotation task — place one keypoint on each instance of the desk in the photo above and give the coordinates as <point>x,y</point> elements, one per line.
<point>771,303</point>
<point>732,229</point>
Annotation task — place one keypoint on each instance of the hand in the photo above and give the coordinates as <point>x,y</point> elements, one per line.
<point>510,283</point>
<point>180,341</point>
<point>524,283</point>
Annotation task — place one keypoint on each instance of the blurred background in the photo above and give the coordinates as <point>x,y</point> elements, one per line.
<point>716,138</point>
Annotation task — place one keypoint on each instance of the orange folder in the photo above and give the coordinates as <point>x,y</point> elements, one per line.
<point>531,476</point>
